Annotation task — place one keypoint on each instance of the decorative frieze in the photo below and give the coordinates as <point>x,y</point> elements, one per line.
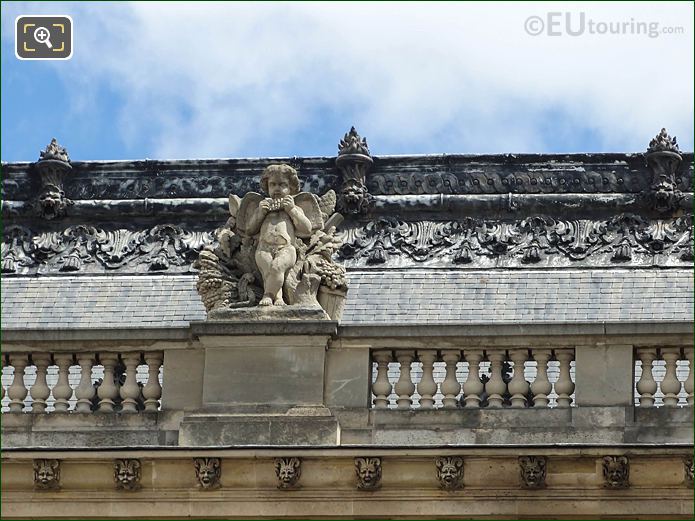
<point>616,472</point>
<point>288,472</point>
<point>46,474</point>
<point>368,472</point>
<point>532,471</point>
<point>450,472</point>
<point>525,242</point>
<point>208,472</point>
<point>164,247</point>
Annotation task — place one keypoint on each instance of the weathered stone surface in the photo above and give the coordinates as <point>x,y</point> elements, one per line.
<point>269,430</point>
<point>272,314</point>
<point>278,375</point>
<point>601,378</point>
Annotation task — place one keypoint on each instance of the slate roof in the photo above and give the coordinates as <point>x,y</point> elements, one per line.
<point>375,297</point>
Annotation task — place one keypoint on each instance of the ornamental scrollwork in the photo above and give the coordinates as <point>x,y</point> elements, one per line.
<point>83,248</point>
<point>529,241</point>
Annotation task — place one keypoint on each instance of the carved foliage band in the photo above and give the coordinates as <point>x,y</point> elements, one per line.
<point>159,248</point>
<point>528,241</point>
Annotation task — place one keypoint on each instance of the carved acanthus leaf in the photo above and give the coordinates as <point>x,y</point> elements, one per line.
<point>528,241</point>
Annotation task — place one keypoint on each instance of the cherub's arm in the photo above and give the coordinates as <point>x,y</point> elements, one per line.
<point>256,220</point>
<point>302,224</point>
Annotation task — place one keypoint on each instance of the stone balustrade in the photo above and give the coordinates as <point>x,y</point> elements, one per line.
<point>472,378</point>
<point>83,382</point>
<point>664,376</point>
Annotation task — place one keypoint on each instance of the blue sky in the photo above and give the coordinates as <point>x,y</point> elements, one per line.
<point>193,80</point>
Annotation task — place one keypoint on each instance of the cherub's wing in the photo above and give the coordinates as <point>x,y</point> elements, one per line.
<point>234,202</point>
<point>310,206</point>
<point>327,204</point>
<point>247,206</point>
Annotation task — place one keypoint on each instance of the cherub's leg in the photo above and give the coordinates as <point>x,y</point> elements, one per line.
<point>264,261</point>
<point>283,261</point>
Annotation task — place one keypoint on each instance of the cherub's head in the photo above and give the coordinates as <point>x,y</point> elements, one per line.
<point>279,181</point>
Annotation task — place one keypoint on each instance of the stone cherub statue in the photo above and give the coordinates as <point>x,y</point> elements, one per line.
<point>275,250</point>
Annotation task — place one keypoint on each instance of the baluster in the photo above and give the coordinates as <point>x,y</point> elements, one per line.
<point>541,386</point>
<point>108,391</point>
<point>382,387</point>
<point>17,391</point>
<point>130,392</point>
<point>670,385</point>
<point>404,386</point>
<point>495,386</point>
<point>518,386</point>
<point>646,386</point>
<point>564,387</point>
<point>688,385</point>
<point>450,386</point>
<point>40,390</point>
<point>85,390</point>
<point>473,387</point>
<point>152,391</point>
<point>62,392</point>
<point>427,387</point>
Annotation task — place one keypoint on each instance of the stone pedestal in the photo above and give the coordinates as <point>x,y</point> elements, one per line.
<point>262,380</point>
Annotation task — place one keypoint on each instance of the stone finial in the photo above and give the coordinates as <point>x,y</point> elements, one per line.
<point>127,474</point>
<point>353,143</point>
<point>46,474</point>
<point>53,165</point>
<point>532,470</point>
<point>616,472</point>
<point>450,472</point>
<point>208,472</point>
<point>288,472</point>
<point>54,152</point>
<point>368,472</point>
<point>354,161</point>
<point>662,142</point>
<point>663,159</point>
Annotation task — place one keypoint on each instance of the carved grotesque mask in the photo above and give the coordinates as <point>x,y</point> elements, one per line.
<point>368,472</point>
<point>288,471</point>
<point>616,471</point>
<point>208,472</point>
<point>450,472</point>
<point>533,471</point>
<point>52,203</point>
<point>689,467</point>
<point>46,473</point>
<point>664,198</point>
<point>353,196</point>
<point>127,474</point>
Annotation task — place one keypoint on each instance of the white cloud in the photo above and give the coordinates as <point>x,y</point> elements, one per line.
<point>204,80</point>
